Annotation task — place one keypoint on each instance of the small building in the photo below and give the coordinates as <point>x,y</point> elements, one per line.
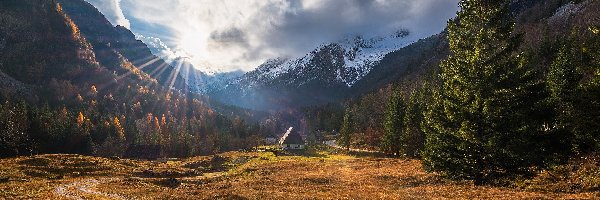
<point>291,140</point>
<point>271,141</point>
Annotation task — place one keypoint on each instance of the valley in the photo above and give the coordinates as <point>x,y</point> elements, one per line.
<point>321,174</point>
<point>303,99</point>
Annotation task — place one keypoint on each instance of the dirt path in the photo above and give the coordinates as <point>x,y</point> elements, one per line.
<point>85,188</point>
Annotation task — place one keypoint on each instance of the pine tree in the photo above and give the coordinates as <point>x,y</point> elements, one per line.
<point>414,138</point>
<point>563,81</point>
<point>346,130</point>
<point>563,77</point>
<point>14,125</point>
<point>393,142</point>
<point>483,121</point>
<point>587,105</point>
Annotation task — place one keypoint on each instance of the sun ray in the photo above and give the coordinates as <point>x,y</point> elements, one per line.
<point>158,70</point>
<point>174,74</point>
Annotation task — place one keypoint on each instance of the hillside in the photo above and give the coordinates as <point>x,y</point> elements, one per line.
<point>66,89</point>
<point>110,43</point>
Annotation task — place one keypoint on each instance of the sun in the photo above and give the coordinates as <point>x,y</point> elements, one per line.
<point>192,44</point>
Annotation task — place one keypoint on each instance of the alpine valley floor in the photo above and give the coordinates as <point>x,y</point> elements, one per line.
<point>242,175</point>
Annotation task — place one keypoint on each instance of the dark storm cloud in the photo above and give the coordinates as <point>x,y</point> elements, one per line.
<point>229,37</point>
<point>302,27</point>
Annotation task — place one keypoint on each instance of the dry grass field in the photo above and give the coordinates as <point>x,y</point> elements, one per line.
<point>239,175</point>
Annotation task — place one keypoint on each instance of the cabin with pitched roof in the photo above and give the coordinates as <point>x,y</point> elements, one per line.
<point>291,140</point>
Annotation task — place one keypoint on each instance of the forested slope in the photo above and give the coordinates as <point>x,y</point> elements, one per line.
<point>65,93</point>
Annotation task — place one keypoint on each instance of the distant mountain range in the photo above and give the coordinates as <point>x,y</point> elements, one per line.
<point>327,74</point>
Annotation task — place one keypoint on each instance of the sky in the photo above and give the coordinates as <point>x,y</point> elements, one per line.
<point>231,35</point>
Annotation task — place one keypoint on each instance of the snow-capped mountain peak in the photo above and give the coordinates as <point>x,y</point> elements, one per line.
<point>347,61</point>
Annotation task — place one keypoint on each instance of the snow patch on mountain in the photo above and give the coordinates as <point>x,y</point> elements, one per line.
<point>359,54</point>
<point>362,54</point>
<point>568,10</point>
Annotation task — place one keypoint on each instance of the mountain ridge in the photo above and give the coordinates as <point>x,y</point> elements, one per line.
<point>115,41</point>
<point>323,75</point>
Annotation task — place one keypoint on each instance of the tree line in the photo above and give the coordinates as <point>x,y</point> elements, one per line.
<point>102,126</point>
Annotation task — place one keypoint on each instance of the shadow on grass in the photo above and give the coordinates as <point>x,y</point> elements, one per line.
<point>57,166</point>
<point>411,181</point>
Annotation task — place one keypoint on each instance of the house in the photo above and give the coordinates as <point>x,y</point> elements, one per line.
<point>291,140</point>
<point>148,152</point>
<point>271,141</point>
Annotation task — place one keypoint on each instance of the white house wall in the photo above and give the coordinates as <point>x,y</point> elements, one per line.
<point>292,146</point>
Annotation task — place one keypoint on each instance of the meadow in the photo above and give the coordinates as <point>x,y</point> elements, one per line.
<point>320,174</point>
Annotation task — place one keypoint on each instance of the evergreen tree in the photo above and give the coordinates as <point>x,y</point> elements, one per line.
<point>563,77</point>
<point>346,130</point>
<point>414,139</point>
<point>393,140</point>
<point>587,104</point>
<point>484,120</point>
<point>562,81</point>
<point>14,127</point>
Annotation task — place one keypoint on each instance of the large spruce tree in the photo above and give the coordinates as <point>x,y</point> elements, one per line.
<point>586,116</point>
<point>483,121</point>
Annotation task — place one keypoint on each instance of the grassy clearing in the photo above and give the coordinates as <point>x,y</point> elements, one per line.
<point>314,174</point>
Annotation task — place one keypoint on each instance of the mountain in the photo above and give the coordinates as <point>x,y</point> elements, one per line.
<point>70,82</point>
<point>410,62</point>
<point>198,81</point>
<point>356,65</point>
<point>111,43</point>
<point>40,44</point>
<point>546,29</point>
<point>325,74</point>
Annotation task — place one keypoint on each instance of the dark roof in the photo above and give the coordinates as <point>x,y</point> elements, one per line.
<point>291,137</point>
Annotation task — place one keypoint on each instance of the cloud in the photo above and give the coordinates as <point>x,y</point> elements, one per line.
<point>158,47</point>
<point>241,34</point>
<point>112,11</point>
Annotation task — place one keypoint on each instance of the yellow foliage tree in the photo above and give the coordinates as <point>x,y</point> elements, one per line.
<point>80,119</point>
<point>119,128</point>
<point>94,90</point>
